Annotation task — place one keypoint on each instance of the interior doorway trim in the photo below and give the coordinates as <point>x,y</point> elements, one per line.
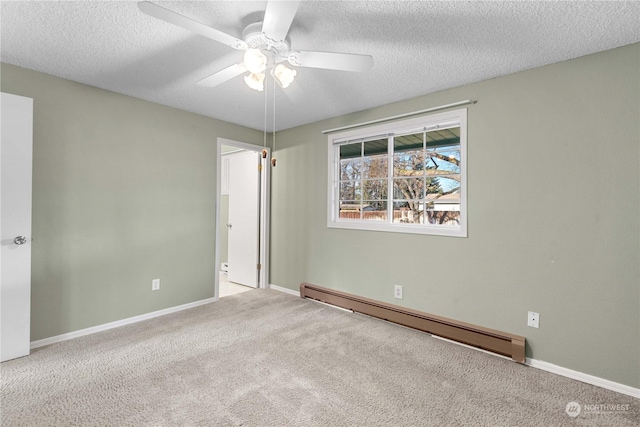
<point>265,175</point>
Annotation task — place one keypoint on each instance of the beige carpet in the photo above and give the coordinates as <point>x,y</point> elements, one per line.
<point>264,358</point>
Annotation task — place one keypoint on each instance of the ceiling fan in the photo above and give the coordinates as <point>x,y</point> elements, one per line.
<point>266,47</point>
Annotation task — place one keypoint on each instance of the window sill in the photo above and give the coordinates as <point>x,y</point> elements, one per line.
<point>399,228</point>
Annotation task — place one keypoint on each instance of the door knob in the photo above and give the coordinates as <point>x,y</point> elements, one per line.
<point>229,226</point>
<point>20,240</point>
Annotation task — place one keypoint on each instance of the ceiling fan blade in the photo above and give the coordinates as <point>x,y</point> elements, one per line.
<point>331,61</point>
<point>223,75</point>
<point>278,18</point>
<point>174,18</point>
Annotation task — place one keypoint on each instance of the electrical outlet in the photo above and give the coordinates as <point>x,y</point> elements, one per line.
<point>533,319</point>
<point>397,291</point>
<point>155,284</point>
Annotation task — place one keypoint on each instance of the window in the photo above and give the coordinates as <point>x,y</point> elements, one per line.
<point>407,176</point>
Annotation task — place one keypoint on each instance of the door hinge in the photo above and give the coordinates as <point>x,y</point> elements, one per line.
<point>259,266</point>
<point>259,168</point>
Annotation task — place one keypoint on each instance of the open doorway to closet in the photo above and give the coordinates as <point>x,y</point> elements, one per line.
<point>242,223</point>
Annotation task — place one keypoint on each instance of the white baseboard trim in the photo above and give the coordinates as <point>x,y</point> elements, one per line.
<point>118,323</point>
<point>585,378</point>
<point>565,372</point>
<point>285,290</point>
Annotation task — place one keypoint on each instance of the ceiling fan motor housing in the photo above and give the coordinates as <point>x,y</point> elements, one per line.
<point>256,39</point>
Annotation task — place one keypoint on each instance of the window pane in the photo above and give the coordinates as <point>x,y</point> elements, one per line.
<point>350,190</point>
<point>377,146</point>
<point>375,167</point>
<point>411,142</point>
<point>350,209</point>
<point>408,188</point>
<point>443,137</point>
<point>442,217</point>
<point>375,189</point>
<point>443,185</point>
<point>419,212</point>
<point>349,151</point>
<point>443,160</point>
<point>350,169</point>
<point>408,211</point>
<point>375,210</point>
<point>443,209</point>
<point>409,163</point>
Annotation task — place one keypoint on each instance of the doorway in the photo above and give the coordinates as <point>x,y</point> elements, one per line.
<point>242,223</point>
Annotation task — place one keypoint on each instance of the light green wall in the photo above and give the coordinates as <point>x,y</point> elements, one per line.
<point>553,197</point>
<point>123,192</point>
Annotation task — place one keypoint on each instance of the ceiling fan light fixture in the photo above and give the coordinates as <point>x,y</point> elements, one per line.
<point>255,61</point>
<point>265,46</point>
<point>283,75</point>
<point>255,81</point>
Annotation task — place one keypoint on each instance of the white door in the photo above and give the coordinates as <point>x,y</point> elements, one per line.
<point>16,146</point>
<point>244,199</point>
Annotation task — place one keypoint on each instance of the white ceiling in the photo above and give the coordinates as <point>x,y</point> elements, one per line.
<point>419,47</point>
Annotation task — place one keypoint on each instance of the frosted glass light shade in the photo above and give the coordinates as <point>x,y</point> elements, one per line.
<point>255,81</point>
<point>284,75</point>
<point>255,61</point>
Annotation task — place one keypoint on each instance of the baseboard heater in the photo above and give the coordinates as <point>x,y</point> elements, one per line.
<point>477,336</point>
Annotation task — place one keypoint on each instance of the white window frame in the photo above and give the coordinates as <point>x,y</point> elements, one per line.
<point>430,122</point>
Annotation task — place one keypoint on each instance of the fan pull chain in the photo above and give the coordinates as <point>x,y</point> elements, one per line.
<point>264,141</point>
<point>273,159</point>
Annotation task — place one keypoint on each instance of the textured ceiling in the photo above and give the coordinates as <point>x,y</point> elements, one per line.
<point>418,48</point>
